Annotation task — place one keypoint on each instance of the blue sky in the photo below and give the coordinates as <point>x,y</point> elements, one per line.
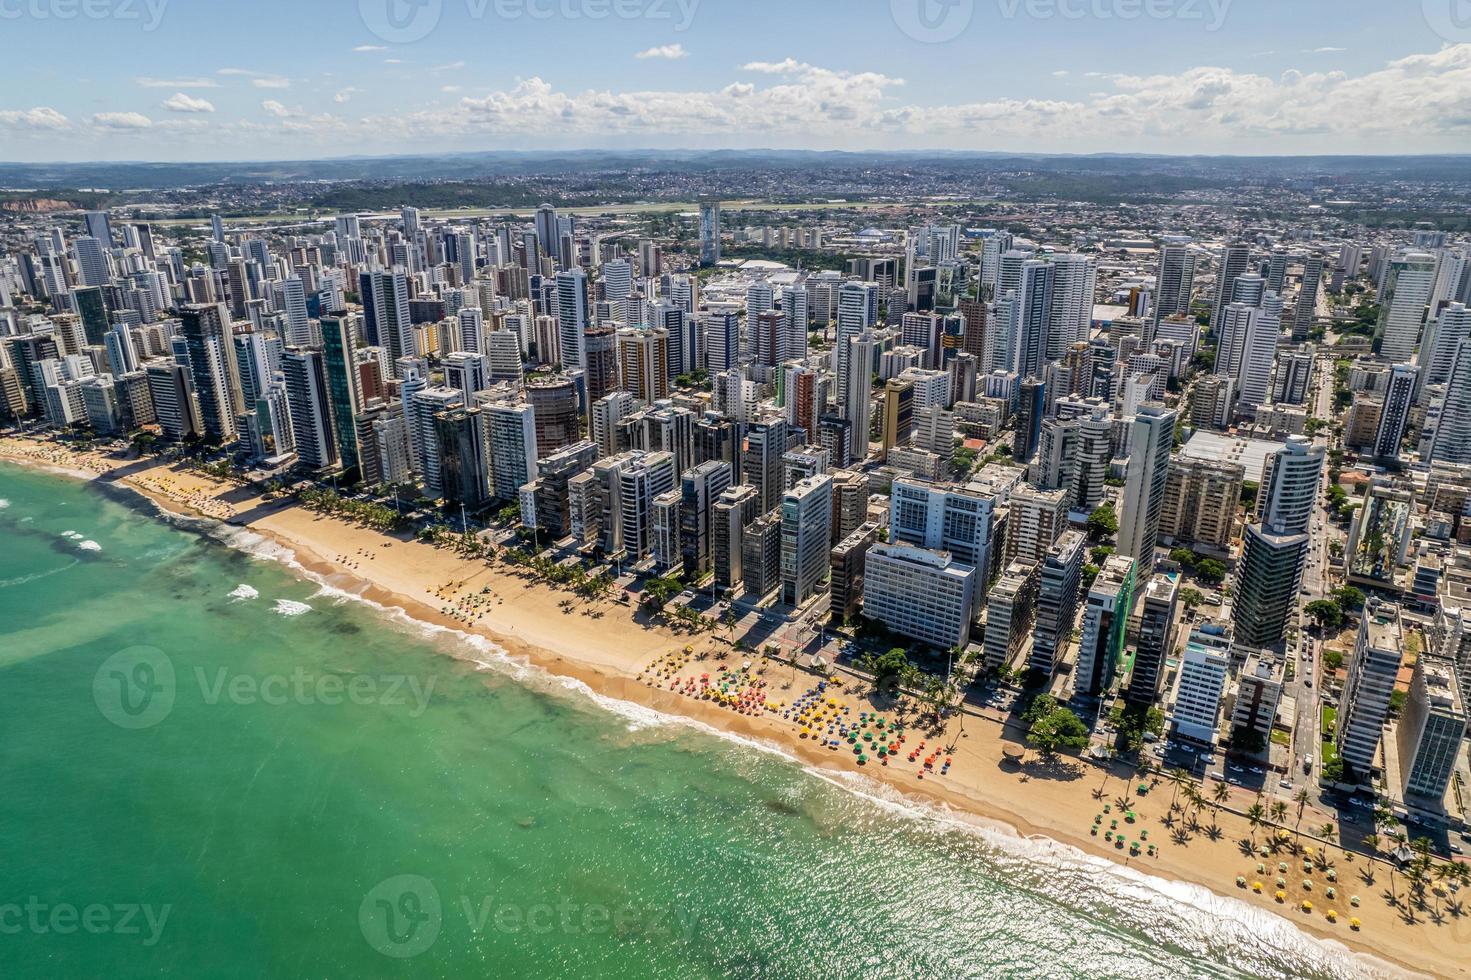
<point>209,79</point>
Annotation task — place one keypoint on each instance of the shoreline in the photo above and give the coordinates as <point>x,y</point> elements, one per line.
<point>600,647</point>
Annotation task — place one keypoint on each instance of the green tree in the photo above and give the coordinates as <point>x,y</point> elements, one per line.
<point>1348,598</point>
<point>1191,598</point>
<point>1325,613</point>
<point>1103,523</point>
<point>1210,570</point>
<point>1184,557</point>
<point>1058,729</point>
<point>889,665</point>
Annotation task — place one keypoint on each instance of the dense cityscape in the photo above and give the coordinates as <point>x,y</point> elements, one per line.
<point>1183,484</point>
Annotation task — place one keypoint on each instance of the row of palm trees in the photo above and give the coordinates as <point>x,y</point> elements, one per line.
<point>364,513</point>
<point>544,569</point>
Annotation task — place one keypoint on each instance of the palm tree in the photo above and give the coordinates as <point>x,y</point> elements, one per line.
<point>1193,800</point>
<point>1222,793</point>
<point>1301,799</point>
<point>1179,777</point>
<point>1255,814</point>
<point>1276,813</point>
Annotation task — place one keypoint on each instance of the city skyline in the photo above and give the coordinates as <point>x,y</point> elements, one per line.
<point>169,82</point>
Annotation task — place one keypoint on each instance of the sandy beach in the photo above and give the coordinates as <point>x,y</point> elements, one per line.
<point>601,644</point>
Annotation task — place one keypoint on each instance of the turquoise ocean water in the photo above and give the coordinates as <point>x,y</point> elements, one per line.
<point>213,767</point>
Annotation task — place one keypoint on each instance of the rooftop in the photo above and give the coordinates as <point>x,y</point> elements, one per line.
<point>1218,447</point>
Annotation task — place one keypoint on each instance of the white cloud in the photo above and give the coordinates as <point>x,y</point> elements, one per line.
<point>122,120</point>
<point>344,95</point>
<point>370,47</point>
<point>1060,73</point>
<point>450,88</point>
<point>783,67</point>
<point>177,83</point>
<point>667,52</point>
<point>271,81</point>
<point>179,102</point>
<point>1416,104</point>
<point>1323,50</point>
<point>236,71</point>
<point>393,61</point>
<point>41,117</point>
<point>452,66</point>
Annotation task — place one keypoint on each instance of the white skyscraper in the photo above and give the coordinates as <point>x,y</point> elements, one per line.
<point>806,537</point>
<point>1175,282</point>
<point>572,316</point>
<point>617,276</point>
<point>1150,444</point>
<point>91,261</point>
<point>1234,261</point>
<point>1407,289</point>
<point>1074,280</point>
<point>863,354</point>
<point>1452,442</point>
<point>293,303</point>
<point>1259,355</point>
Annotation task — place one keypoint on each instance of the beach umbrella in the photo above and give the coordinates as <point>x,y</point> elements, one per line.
<point>1353,924</point>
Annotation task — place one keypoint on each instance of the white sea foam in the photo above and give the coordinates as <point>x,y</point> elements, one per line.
<point>71,535</point>
<point>4,503</point>
<point>34,576</point>
<point>290,607</point>
<point>243,592</point>
<point>89,546</point>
